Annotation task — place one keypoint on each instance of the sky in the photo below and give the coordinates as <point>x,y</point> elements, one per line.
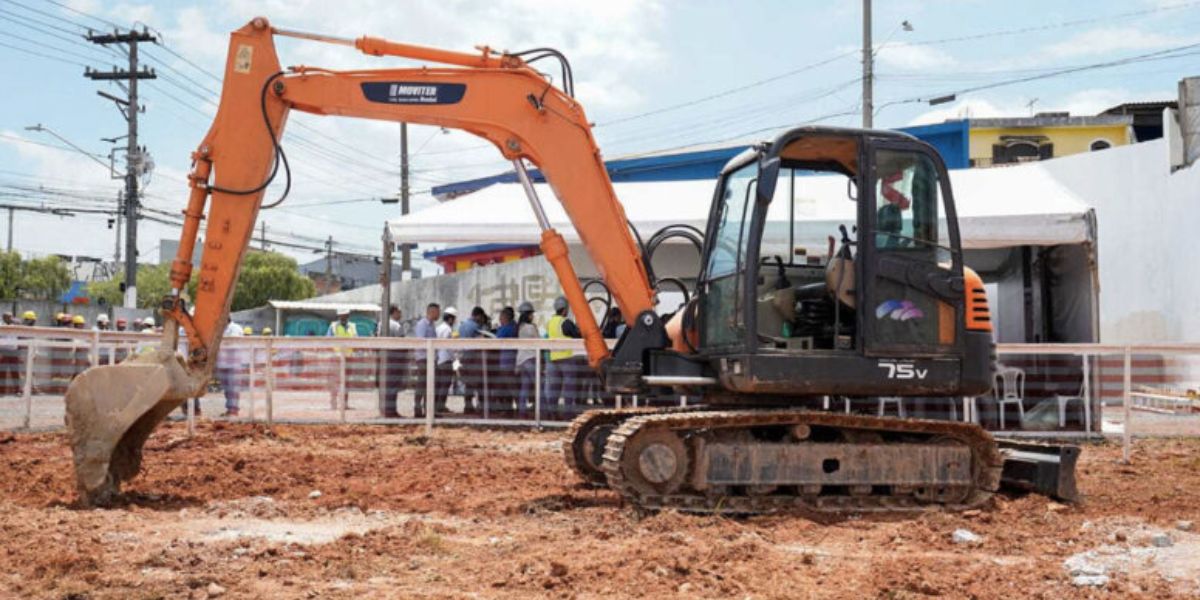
<point>651,74</point>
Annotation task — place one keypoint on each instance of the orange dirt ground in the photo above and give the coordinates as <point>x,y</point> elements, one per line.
<point>235,512</point>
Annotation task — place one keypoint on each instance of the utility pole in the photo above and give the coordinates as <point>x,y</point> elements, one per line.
<point>263,228</point>
<point>405,249</point>
<point>868,62</point>
<point>385,302</point>
<point>328,264</point>
<point>10,227</point>
<point>117,219</point>
<point>133,155</point>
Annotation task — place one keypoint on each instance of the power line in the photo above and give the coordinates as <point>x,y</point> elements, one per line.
<point>1165,54</point>
<point>1050,26</point>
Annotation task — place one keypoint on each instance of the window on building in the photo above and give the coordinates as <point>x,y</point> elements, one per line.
<point>1100,144</point>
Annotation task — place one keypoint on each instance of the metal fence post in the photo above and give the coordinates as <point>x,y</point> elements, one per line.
<point>343,390</point>
<point>30,352</point>
<point>483,354</point>
<point>191,416</point>
<point>270,377</point>
<point>1087,394</point>
<point>1127,434</point>
<point>251,377</point>
<point>94,349</point>
<point>537,388</point>
<point>430,386</point>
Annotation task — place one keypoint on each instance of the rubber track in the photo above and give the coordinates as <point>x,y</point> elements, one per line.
<point>986,460</point>
<point>573,442</point>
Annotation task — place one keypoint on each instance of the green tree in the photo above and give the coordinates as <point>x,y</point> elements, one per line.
<point>10,275</point>
<point>270,276</point>
<point>44,278</point>
<point>265,276</point>
<point>153,282</point>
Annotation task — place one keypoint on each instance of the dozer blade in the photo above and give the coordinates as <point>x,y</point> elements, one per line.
<point>111,410</point>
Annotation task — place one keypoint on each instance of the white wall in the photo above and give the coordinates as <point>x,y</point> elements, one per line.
<point>1148,228</point>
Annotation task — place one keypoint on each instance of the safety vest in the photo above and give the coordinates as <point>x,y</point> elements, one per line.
<point>344,331</point>
<point>554,330</point>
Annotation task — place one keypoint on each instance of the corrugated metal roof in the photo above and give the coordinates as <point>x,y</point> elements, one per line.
<point>323,306</point>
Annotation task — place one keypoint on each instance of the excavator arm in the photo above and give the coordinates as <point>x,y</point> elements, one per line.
<point>112,409</point>
<point>498,98</point>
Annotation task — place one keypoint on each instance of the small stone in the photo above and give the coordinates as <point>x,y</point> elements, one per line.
<point>313,495</point>
<point>558,569</point>
<point>684,588</point>
<point>1161,540</point>
<point>1090,580</point>
<point>214,590</point>
<point>965,536</point>
<point>1120,536</point>
<point>1055,507</point>
<point>1183,525</point>
<point>972,513</point>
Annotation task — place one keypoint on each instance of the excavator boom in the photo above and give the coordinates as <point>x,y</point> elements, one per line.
<point>112,409</point>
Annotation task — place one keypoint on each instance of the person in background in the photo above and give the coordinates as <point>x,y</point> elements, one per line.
<point>615,325</point>
<point>560,371</point>
<point>10,357</point>
<point>102,323</point>
<point>230,363</point>
<point>148,325</point>
<point>247,330</point>
<point>393,361</point>
<point>341,328</point>
<point>266,332</point>
<point>78,322</point>
<point>503,369</point>
<point>122,324</point>
<point>444,374</point>
<point>426,328</point>
<point>526,359</point>
<point>471,370</point>
<point>29,318</point>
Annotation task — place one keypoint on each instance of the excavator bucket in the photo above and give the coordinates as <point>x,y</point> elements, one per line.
<point>111,410</point>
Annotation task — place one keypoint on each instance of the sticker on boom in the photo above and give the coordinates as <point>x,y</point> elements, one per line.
<point>402,92</point>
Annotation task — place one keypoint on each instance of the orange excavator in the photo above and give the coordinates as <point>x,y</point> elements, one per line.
<point>768,337</point>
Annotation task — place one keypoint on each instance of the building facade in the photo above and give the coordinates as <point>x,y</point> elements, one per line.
<point>995,142</point>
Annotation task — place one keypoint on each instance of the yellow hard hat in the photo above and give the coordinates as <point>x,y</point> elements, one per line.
<point>29,315</point>
<point>248,330</point>
<point>78,320</point>
<point>267,331</point>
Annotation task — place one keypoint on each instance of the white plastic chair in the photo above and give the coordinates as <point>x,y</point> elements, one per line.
<point>883,400</point>
<point>1011,390</point>
<point>1081,397</point>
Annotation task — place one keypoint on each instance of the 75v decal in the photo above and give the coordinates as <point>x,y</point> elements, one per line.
<point>901,370</point>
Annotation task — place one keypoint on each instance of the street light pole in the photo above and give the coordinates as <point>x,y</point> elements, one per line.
<point>868,60</point>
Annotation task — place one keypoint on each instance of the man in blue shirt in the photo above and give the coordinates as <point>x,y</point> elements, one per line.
<point>471,369</point>
<point>426,328</point>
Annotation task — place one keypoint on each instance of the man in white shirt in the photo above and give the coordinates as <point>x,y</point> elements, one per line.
<point>230,363</point>
<point>444,375</point>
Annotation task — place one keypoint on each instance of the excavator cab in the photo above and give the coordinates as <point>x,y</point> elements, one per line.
<point>886,307</point>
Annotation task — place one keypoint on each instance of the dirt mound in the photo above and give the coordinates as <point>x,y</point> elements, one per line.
<point>381,512</point>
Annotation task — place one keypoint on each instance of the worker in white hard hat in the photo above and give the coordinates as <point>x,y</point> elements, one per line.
<point>102,323</point>
<point>148,325</point>
<point>341,328</point>
<point>445,358</point>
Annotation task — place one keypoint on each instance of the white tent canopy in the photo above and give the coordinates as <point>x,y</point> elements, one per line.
<point>997,208</point>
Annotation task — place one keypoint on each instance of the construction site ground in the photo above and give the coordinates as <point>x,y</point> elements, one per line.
<point>240,511</point>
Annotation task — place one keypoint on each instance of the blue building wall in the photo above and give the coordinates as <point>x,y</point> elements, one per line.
<point>949,138</point>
